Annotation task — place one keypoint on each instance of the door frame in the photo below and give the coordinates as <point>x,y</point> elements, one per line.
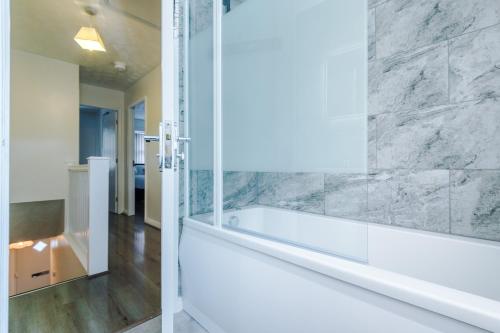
<point>4,162</point>
<point>117,157</point>
<point>117,148</point>
<point>170,178</point>
<point>130,210</point>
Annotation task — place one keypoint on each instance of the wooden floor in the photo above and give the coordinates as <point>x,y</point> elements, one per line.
<point>128,294</point>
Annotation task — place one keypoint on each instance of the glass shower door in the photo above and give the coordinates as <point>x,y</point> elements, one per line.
<point>294,122</point>
<point>199,101</point>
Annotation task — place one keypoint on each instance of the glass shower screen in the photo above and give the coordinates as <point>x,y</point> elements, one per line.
<point>200,114</point>
<point>294,139</point>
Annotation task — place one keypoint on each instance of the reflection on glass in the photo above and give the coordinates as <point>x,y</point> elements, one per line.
<point>40,263</point>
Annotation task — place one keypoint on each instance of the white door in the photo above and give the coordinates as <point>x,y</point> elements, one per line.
<point>109,149</point>
<point>169,165</point>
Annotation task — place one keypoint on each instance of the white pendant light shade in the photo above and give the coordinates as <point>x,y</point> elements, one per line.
<point>88,38</point>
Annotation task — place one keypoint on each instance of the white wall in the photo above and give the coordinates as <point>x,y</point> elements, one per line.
<point>150,87</point>
<point>44,126</point>
<point>111,99</point>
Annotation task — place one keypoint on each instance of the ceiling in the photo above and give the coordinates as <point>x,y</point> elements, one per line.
<point>130,30</point>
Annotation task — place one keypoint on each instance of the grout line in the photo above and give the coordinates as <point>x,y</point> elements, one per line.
<point>408,52</point>
<point>409,112</point>
<point>474,31</point>
<point>401,53</point>
<point>378,4</point>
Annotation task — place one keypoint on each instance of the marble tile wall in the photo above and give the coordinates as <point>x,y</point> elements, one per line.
<point>201,14</point>
<point>297,191</point>
<point>433,128</point>
<point>434,116</point>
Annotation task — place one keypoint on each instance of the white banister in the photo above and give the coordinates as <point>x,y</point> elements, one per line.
<point>87,226</point>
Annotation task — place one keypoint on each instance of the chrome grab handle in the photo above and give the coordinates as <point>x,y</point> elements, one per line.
<point>179,156</point>
<point>168,140</point>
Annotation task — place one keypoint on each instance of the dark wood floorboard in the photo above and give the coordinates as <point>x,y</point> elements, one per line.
<point>128,294</point>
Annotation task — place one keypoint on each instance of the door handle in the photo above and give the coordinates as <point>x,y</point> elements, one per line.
<point>183,139</point>
<point>168,145</point>
<point>151,138</point>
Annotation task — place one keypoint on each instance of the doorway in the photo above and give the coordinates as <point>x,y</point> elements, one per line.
<point>137,191</point>
<point>98,137</point>
<point>114,78</point>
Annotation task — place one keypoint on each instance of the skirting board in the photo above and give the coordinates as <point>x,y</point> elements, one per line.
<point>201,318</point>
<point>152,222</point>
<point>128,212</point>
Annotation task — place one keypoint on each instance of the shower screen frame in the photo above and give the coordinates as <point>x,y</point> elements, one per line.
<point>217,109</point>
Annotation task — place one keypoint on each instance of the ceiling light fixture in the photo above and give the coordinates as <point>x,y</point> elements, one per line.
<point>88,38</point>
<point>120,66</point>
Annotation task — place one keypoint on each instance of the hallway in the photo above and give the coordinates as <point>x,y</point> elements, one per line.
<point>130,293</point>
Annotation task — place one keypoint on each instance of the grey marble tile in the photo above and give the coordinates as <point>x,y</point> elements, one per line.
<point>193,198</point>
<point>404,25</point>
<point>379,196</point>
<point>372,143</point>
<point>298,191</point>
<point>346,195</point>
<point>475,203</point>
<point>409,81</point>
<point>421,200</point>
<point>475,65</point>
<point>240,189</point>
<point>373,3</point>
<point>455,136</point>
<point>200,15</point>
<point>412,199</point>
<point>204,192</point>
<point>236,3</point>
<point>371,34</point>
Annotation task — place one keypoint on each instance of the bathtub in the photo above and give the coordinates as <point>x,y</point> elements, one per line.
<point>275,270</point>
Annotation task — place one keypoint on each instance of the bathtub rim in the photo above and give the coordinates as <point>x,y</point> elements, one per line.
<point>465,307</point>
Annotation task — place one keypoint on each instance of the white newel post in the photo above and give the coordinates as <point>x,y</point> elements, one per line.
<point>98,214</point>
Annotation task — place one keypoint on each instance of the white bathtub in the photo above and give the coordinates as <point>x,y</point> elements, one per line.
<point>395,280</point>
